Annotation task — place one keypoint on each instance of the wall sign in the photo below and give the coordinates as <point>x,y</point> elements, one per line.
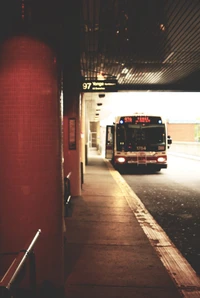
<point>72,133</point>
<point>99,86</point>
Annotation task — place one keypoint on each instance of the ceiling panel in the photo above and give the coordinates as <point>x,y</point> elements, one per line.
<point>140,42</point>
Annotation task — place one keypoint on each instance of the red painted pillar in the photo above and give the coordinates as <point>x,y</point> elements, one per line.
<point>71,142</point>
<point>71,97</point>
<point>31,195</point>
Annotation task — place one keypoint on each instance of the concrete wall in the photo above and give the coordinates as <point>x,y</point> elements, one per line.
<point>191,148</point>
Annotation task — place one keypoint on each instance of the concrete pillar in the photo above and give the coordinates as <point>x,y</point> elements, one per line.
<point>83,149</point>
<point>86,134</point>
<point>98,137</point>
<point>31,179</point>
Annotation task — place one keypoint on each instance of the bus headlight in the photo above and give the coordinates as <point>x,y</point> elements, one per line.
<point>121,159</point>
<point>161,159</point>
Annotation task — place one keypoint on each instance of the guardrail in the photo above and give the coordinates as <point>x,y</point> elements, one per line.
<point>8,282</point>
<point>67,192</point>
<point>190,148</point>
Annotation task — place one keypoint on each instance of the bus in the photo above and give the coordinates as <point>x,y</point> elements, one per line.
<point>136,141</point>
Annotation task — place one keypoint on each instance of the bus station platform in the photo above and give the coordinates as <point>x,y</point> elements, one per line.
<point>114,248</point>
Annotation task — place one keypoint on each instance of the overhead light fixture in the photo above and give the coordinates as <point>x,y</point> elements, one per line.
<point>100,76</point>
<point>162,27</point>
<point>168,57</point>
<point>99,104</point>
<point>125,70</point>
<point>101,95</point>
<point>97,114</point>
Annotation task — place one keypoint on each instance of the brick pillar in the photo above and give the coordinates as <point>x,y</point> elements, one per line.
<point>71,141</point>
<point>31,195</point>
<point>71,95</point>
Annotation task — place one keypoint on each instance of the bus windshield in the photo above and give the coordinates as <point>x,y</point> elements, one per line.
<point>134,137</point>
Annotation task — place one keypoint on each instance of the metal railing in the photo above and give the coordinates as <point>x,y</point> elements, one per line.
<point>8,282</point>
<point>67,192</point>
<point>67,189</point>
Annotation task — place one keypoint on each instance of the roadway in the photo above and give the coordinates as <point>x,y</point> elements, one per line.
<point>172,197</point>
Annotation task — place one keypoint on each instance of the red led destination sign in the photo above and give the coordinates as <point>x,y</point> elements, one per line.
<point>141,120</point>
<point>128,119</point>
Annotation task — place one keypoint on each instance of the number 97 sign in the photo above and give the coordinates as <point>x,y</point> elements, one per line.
<point>86,86</point>
<point>99,86</point>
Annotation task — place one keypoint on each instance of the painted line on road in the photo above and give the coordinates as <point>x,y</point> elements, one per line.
<point>177,266</point>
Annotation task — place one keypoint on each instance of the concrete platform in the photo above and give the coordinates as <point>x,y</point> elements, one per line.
<point>107,253</point>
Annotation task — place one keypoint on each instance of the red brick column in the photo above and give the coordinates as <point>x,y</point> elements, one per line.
<point>31,195</point>
<point>71,97</point>
<point>71,142</point>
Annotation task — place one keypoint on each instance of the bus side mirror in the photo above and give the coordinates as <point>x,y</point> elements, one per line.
<point>169,141</point>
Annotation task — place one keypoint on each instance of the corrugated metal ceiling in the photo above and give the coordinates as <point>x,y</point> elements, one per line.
<point>140,42</point>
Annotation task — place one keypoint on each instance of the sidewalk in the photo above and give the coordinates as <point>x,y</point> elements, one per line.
<point>107,252</point>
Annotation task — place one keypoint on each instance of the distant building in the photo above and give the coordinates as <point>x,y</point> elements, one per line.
<point>184,130</point>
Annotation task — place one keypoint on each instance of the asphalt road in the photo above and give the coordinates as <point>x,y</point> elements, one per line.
<point>172,196</point>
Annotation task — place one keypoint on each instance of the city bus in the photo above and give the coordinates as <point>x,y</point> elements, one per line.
<point>138,140</point>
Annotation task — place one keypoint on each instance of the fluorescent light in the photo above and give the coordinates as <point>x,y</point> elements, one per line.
<point>168,57</point>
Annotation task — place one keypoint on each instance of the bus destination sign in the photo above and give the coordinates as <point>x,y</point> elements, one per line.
<point>99,86</point>
<point>141,119</point>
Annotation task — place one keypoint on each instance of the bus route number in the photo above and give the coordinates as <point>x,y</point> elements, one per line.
<point>86,86</point>
<point>128,119</point>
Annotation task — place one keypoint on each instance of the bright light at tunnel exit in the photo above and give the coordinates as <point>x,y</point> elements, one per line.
<point>179,106</point>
